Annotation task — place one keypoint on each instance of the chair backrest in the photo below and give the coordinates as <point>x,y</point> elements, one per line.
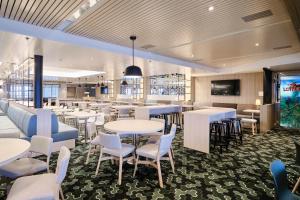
<point>165,141</point>
<point>123,112</point>
<point>41,144</point>
<point>173,129</point>
<point>62,164</point>
<point>91,129</point>
<point>106,110</point>
<point>110,141</point>
<point>160,120</point>
<point>278,172</point>
<point>100,118</point>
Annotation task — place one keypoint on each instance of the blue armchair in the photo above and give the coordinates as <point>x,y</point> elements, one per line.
<point>279,174</point>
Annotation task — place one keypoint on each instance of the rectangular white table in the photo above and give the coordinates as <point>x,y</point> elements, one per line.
<point>144,112</point>
<point>196,126</point>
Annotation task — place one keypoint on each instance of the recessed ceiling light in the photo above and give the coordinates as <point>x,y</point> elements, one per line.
<point>192,55</point>
<point>0,63</point>
<point>256,44</point>
<point>211,8</point>
<point>76,14</point>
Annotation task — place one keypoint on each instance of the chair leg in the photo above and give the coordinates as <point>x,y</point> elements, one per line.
<point>296,186</point>
<point>99,162</point>
<point>135,167</point>
<point>120,170</point>
<point>61,193</point>
<point>253,129</point>
<point>159,174</point>
<point>171,161</point>
<point>88,156</point>
<point>172,152</point>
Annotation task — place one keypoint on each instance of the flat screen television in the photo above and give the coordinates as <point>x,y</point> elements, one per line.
<point>225,87</point>
<point>104,90</point>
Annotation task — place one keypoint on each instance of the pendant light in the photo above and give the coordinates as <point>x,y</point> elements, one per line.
<point>133,71</point>
<point>102,83</point>
<point>124,82</point>
<point>79,85</point>
<point>98,84</point>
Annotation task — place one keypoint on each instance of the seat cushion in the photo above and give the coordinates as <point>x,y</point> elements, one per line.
<point>124,151</point>
<point>148,150</point>
<point>65,132</point>
<point>8,129</point>
<point>42,186</point>
<point>23,167</point>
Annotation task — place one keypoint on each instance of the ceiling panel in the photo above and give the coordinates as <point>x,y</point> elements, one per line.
<point>170,23</point>
<point>45,13</point>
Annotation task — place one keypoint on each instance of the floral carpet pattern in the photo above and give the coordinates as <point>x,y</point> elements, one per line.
<point>242,172</point>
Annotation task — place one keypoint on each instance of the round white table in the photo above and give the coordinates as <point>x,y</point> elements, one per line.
<point>134,126</point>
<point>12,149</point>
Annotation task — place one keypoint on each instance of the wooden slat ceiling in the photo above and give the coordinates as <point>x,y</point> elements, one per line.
<point>45,13</point>
<point>171,23</point>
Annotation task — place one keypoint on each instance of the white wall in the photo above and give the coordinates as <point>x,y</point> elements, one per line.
<point>251,84</point>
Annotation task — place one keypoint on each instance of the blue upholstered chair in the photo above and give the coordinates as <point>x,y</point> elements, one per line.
<point>278,172</point>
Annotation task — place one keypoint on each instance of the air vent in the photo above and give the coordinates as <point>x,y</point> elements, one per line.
<point>256,16</point>
<point>283,47</point>
<point>147,46</point>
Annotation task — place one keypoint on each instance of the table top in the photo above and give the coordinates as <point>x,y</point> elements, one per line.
<point>12,149</point>
<point>82,114</point>
<point>211,111</point>
<point>134,126</point>
<point>251,111</point>
<point>124,107</point>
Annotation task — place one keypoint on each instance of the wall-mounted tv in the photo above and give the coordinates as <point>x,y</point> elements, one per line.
<point>225,87</point>
<point>104,90</point>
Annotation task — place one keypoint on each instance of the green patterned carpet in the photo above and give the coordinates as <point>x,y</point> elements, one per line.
<point>240,173</point>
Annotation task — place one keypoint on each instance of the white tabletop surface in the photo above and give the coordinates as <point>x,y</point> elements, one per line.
<point>12,149</point>
<point>251,111</point>
<point>82,114</point>
<point>134,126</point>
<point>119,107</point>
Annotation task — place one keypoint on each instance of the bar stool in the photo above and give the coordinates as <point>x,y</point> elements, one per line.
<point>218,135</point>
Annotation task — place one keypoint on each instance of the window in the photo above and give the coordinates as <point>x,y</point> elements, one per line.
<point>50,91</point>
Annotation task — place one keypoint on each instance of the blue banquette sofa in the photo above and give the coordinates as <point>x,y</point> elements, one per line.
<point>21,123</point>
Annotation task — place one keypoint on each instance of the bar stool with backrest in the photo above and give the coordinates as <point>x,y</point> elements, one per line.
<point>156,152</point>
<point>42,186</point>
<point>29,165</point>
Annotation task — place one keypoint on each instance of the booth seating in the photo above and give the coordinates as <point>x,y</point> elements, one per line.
<point>3,107</point>
<point>21,123</point>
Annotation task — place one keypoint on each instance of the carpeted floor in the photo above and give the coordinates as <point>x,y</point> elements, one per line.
<point>240,173</point>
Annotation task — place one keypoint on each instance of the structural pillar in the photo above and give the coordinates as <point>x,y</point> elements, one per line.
<point>267,85</point>
<point>38,81</point>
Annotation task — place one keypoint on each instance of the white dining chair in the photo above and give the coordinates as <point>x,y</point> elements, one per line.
<point>123,113</point>
<point>94,139</point>
<point>29,165</point>
<point>112,146</point>
<point>100,120</point>
<point>107,113</point>
<point>42,186</point>
<point>156,153</point>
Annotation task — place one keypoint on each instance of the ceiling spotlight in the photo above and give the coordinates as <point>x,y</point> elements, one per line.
<point>0,63</point>
<point>211,8</point>
<point>256,44</point>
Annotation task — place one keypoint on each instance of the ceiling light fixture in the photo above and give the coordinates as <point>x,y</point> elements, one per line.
<point>102,83</point>
<point>0,63</point>
<point>98,84</point>
<point>256,44</point>
<point>211,8</point>
<point>124,82</point>
<point>133,71</point>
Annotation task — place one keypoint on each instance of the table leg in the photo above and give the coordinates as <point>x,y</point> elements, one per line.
<point>296,186</point>
<point>85,130</point>
<point>252,115</point>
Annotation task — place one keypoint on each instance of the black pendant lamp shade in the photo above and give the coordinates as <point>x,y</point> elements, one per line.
<point>133,71</point>
<point>124,82</point>
<point>98,84</point>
